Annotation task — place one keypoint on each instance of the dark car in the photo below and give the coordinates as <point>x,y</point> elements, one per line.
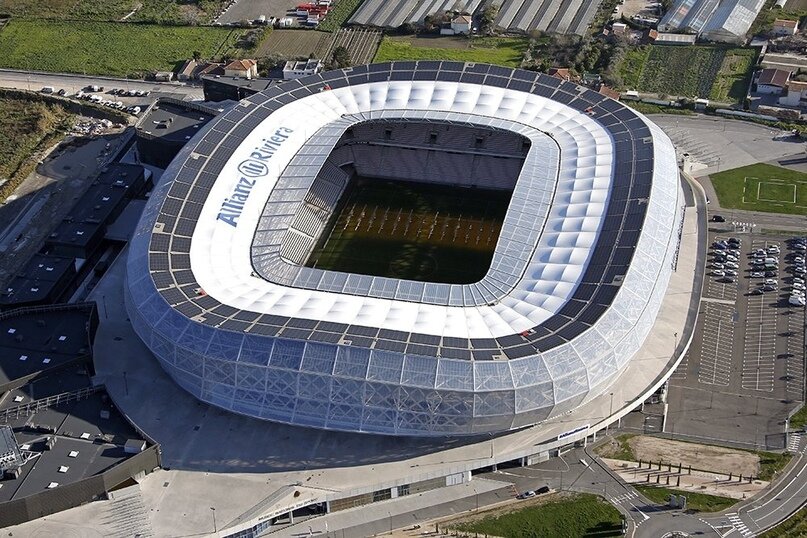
<point>542,490</point>
<point>770,274</point>
<point>718,218</point>
<point>726,280</point>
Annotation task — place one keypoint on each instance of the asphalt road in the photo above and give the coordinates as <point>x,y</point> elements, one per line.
<point>35,81</point>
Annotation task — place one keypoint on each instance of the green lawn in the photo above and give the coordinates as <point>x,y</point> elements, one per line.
<point>713,72</point>
<point>101,48</point>
<point>507,51</point>
<point>568,517</point>
<point>799,420</point>
<point>770,463</point>
<point>698,502</point>
<point>762,187</point>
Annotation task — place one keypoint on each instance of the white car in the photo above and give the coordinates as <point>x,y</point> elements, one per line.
<point>798,286</point>
<point>773,249</point>
<point>796,301</point>
<point>756,274</point>
<point>719,272</point>
<point>732,265</point>
<point>771,281</point>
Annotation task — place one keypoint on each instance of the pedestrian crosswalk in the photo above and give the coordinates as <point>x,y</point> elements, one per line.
<point>794,442</point>
<point>738,524</point>
<point>624,497</point>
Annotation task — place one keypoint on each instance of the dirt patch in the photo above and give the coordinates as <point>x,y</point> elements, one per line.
<point>706,457</point>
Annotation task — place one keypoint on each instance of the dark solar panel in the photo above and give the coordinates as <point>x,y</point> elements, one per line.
<point>451,341</point>
<point>325,337</point>
<point>390,345</point>
<point>424,339</point>
<point>235,325</point>
<point>299,334</point>
<point>301,323</point>
<point>420,349</point>
<point>362,331</point>
<point>520,351</point>
<point>454,353</point>
<point>389,334</point>
<point>472,78</point>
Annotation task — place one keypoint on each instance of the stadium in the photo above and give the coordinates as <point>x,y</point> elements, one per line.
<point>411,248</point>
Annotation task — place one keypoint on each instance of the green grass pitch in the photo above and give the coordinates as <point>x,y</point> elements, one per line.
<point>413,231</point>
<point>762,187</point>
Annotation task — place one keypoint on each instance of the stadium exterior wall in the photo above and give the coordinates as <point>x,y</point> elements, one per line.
<point>347,388</point>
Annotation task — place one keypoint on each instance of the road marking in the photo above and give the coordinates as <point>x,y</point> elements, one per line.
<point>738,524</point>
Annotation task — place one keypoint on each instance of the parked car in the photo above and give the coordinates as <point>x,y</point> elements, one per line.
<point>757,274</point>
<point>718,218</point>
<point>527,494</point>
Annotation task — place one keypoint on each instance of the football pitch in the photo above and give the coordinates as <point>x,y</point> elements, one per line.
<point>413,231</point>
<point>762,187</point>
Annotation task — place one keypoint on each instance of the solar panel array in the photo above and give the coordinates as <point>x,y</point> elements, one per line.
<point>354,377</point>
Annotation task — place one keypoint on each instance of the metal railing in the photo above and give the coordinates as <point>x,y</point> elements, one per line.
<point>29,408</point>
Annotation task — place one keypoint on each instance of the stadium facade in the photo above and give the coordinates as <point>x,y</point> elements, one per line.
<point>217,287</point>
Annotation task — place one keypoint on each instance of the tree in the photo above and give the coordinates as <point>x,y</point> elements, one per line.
<point>487,22</point>
<point>197,55</point>
<point>340,58</point>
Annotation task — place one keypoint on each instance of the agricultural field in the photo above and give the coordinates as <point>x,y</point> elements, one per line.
<point>360,43</point>
<point>567,516</point>
<point>698,502</point>
<point>100,48</point>
<point>717,73</point>
<point>507,51</point>
<point>25,125</point>
<point>154,11</point>
<point>293,44</point>
<point>762,187</point>
<point>342,10</point>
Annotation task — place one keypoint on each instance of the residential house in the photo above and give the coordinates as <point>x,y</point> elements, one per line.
<point>784,27</point>
<point>461,24</point>
<point>796,94</point>
<point>247,69</point>
<point>772,81</point>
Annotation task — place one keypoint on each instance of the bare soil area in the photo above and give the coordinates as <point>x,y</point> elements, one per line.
<point>706,457</point>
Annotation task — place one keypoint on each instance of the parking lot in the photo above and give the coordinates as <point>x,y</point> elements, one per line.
<point>745,368</point>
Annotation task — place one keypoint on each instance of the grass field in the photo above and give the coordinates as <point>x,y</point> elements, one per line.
<point>413,231</point>
<point>24,127</point>
<point>716,73</point>
<point>101,48</point>
<point>762,187</point>
<point>799,420</point>
<point>156,11</point>
<point>569,517</point>
<point>698,502</point>
<point>507,51</point>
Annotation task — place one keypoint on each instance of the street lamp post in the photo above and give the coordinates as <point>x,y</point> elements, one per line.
<point>215,527</point>
<point>610,412</point>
